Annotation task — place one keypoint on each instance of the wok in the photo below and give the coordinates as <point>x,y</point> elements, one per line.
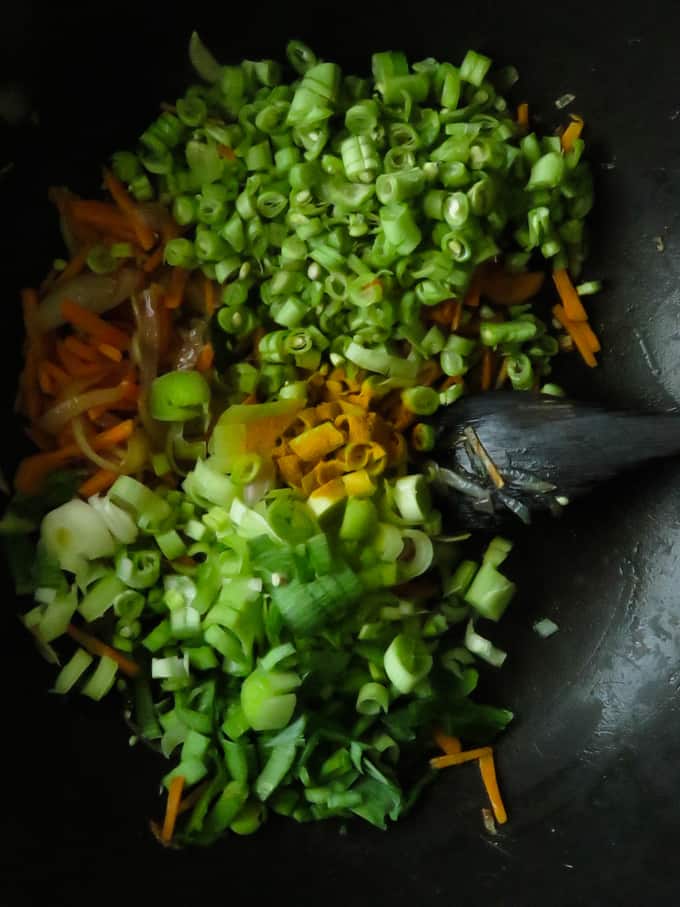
<point>590,766</point>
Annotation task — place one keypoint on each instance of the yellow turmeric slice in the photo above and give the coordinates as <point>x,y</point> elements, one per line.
<point>317,442</point>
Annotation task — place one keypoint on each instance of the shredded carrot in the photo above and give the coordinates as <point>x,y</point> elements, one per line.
<point>571,133</point>
<point>97,647</point>
<point>74,365</point>
<point>172,808</point>
<point>30,382</point>
<point>487,369</point>
<point>103,217</point>
<point>473,292</point>
<point>80,349</point>
<point>209,296</point>
<point>154,260</point>
<point>113,436</point>
<point>568,296</point>
<point>258,334</point>
<point>488,769</point>
<point>502,376</point>
<point>111,352</point>
<point>205,358</point>
<point>429,372</point>
<point>175,293</point>
<point>590,337</point>
<point>121,197</point>
<point>226,152</point>
<point>450,745</point>
<point>578,333</point>
<point>442,313</point>
<point>33,470</point>
<point>55,373</point>
<point>457,314</point>
<point>250,400</point>
<point>102,480</point>
<point>505,288</point>
<point>458,758</point>
<point>46,382</point>
<point>192,799</point>
<point>92,324</point>
<point>75,265</point>
<point>523,115</point>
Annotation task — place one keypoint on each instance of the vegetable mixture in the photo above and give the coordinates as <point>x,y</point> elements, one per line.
<point>229,382</point>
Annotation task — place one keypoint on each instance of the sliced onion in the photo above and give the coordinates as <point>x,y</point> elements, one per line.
<point>255,491</point>
<point>119,523</point>
<point>97,292</point>
<point>75,533</point>
<point>88,451</point>
<point>62,413</point>
<point>423,552</point>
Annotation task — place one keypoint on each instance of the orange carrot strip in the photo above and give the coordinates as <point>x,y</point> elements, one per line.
<point>113,436</point>
<point>155,260</point>
<point>80,349</point>
<point>502,376</point>
<point>457,314</point>
<point>577,334</point>
<point>209,296</point>
<point>103,217</point>
<point>178,282</point>
<point>523,115</point>
<point>121,197</point>
<point>92,324</point>
<point>33,470</point>
<point>205,358</point>
<point>192,799</point>
<point>488,769</point>
<point>571,133</point>
<point>442,313</point>
<point>171,810</point>
<point>75,265</point>
<point>458,758</point>
<point>450,745</point>
<point>591,337</point>
<point>111,352</point>
<point>226,152</point>
<point>504,288</point>
<point>102,480</point>
<point>568,296</point>
<point>57,374</point>
<point>473,293</point>
<point>487,369</point>
<point>75,366</point>
<point>30,382</point>
<point>46,382</point>
<point>97,647</point>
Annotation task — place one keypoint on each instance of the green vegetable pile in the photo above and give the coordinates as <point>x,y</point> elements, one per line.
<point>333,208</point>
<point>287,657</point>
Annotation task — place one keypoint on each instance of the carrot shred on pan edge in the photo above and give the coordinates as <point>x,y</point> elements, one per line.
<point>172,808</point>
<point>97,647</point>
<point>454,755</point>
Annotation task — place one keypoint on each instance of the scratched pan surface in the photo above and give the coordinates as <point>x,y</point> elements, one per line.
<point>590,768</point>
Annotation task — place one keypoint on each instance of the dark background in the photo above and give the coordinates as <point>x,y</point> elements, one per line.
<point>590,768</point>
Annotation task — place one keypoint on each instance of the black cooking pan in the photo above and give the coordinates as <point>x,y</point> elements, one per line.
<point>590,767</point>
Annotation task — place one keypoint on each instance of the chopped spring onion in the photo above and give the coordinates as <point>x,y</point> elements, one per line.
<point>545,627</point>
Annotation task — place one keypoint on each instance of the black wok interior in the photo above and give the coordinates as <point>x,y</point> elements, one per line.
<point>590,767</point>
